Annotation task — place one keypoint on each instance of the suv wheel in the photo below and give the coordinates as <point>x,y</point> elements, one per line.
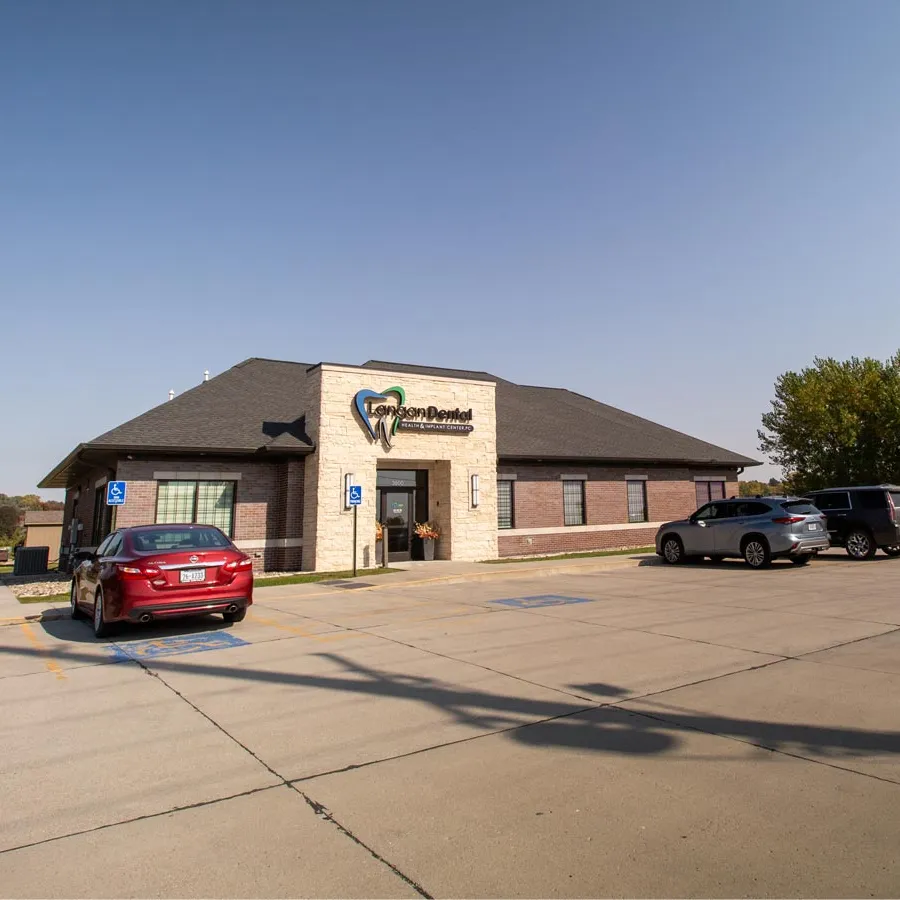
<point>757,554</point>
<point>859,544</point>
<point>673,550</point>
<point>892,551</point>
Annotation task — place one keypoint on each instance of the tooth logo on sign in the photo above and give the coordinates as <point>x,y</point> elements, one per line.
<point>384,413</point>
<point>380,427</point>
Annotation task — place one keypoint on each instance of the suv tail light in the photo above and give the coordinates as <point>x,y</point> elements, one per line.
<point>238,565</point>
<point>137,571</point>
<point>788,520</point>
<point>892,506</point>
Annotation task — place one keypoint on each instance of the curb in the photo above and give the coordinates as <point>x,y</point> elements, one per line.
<point>48,615</point>
<point>597,565</point>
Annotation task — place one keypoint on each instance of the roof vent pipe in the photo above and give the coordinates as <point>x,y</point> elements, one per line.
<point>206,375</point>
<point>171,395</point>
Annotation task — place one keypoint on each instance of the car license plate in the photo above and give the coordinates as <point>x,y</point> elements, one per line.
<point>812,526</point>
<point>191,575</point>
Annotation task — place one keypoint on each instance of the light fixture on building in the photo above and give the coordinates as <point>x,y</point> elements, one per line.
<point>348,481</point>
<point>474,491</point>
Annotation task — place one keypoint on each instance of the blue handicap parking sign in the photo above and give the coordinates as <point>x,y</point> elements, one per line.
<point>356,495</point>
<point>115,493</point>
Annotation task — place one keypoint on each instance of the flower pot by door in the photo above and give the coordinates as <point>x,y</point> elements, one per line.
<point>428,548</point>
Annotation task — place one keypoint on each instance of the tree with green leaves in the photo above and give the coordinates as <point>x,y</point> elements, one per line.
<point>836,423</point>
<point>9,522</point>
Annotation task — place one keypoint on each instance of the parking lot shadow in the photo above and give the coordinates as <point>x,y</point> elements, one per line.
<point>555,721</point>
<point>67,629</point>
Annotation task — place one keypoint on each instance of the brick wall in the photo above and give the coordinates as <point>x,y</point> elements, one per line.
<point>83,509</point>
<point>538,504</point>
<point>268,502</point>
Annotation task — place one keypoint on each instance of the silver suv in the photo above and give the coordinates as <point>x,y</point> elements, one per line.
<point>757,529</point>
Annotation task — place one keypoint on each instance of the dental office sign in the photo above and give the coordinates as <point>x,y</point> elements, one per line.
<point>384,413</point>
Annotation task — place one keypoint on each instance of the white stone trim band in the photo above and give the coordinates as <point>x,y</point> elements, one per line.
<point>506,476</point>
<point>576,529</point>
<point>568,476</point>
<point>196,476</point>
<point>637,477</point>
<point>711,478</point>
<point>266,543</point>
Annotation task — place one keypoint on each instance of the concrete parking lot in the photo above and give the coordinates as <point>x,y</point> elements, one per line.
<point>694,731</point>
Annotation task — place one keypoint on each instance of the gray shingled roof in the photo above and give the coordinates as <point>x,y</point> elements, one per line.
<point>44,517</point>
<point>255,405</point>
<point>553,423</point>
<point>260,405</point>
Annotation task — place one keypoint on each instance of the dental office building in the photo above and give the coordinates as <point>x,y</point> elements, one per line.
<point>266,451</point>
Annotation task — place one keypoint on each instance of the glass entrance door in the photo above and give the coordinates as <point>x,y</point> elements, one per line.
<point>397,514</point>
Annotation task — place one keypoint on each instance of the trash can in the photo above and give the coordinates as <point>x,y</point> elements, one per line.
<point>31,561</point>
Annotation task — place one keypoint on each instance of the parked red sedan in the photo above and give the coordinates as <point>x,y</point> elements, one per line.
<point>161,571</point>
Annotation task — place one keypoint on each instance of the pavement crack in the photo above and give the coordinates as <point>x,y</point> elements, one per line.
<point>155,815</point>
<point>324,813</point>
<point>318,808</point>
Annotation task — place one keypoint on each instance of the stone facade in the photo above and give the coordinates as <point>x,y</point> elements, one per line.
<point>345,447</point>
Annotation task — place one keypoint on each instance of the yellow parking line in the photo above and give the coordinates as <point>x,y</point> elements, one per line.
<point>302,632</point>
<point>41,648</point>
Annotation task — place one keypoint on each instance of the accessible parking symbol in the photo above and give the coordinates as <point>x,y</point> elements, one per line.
<point>540,600</point>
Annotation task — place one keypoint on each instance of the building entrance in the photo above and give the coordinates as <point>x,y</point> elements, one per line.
<point>401,500</point>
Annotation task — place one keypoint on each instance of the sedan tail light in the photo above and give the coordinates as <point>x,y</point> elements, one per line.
<point>137,571</point>
<point>238,565</point>
<point>788,520</point>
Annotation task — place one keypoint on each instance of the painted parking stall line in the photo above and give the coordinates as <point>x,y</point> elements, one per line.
<point>540,600</point>
<point>176,645</point>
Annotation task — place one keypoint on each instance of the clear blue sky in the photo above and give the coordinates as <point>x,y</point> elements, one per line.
<point>660,204</point>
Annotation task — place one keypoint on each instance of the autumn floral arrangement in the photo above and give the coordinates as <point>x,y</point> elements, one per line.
<point>379,531</point>
<point>427,531</point>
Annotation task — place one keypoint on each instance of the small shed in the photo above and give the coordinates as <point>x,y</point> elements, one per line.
<point>43,528</point>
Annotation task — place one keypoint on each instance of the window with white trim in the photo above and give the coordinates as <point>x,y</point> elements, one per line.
<point>196,503</point>
<point>573,502</point>
<point>637,501</point>
<point>709,490</point>
<point>505,517</point>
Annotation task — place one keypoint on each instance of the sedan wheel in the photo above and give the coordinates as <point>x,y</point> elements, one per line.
<point>75,609</point>
<point>756,553</point>
<point>859,545</point>
<point>101,628</point>
<point>673,551</point>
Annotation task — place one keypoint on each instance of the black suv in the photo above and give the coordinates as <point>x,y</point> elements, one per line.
<point>862,519</point>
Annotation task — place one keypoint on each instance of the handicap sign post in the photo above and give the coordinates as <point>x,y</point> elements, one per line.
<point>115,493</point>
<point>355,501</point>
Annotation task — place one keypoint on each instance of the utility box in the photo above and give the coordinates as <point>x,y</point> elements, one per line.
<point>31,561</point>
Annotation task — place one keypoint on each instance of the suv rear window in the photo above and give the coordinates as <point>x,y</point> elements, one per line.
<point>831,500</point>
<point>895,497</point>
<point>872,499</point>
<point>800,508</point>
<point>159,540</point>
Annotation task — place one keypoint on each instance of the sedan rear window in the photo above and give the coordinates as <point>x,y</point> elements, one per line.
<point>800,508</point>
<point>158,540</point>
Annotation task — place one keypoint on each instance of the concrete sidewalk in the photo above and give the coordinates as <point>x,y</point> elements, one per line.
<point>14,613</point>
<point>449,572</point>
